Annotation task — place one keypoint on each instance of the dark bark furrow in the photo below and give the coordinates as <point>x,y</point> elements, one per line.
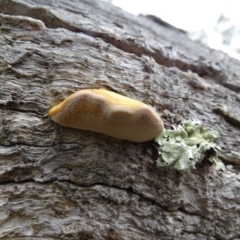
<point>128,44</point>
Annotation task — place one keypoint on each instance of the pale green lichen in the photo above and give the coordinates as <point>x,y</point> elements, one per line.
<point>186,145</point>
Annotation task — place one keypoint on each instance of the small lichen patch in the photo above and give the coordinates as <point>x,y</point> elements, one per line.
<point>186,145</point>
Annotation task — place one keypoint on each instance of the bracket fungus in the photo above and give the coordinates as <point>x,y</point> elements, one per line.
<point>106,112</point>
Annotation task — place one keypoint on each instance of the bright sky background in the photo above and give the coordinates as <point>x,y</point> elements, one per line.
<point>193,16</point>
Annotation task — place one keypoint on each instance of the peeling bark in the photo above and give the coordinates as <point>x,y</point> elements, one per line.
<point>62,183</point>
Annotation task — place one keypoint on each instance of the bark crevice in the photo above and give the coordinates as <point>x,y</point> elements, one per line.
<point>161,55</point>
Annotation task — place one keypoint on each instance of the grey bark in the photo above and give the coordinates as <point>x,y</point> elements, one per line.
<point>62,183</point>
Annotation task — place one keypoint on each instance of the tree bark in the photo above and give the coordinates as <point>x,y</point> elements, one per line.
<point>63,183</point>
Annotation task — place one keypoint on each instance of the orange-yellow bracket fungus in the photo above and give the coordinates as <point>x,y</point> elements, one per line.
<point>109,113</point>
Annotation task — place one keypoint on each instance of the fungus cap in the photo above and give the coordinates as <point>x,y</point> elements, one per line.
<point>106,112</point>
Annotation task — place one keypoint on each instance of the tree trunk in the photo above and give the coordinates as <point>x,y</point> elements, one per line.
<point>63,183</point>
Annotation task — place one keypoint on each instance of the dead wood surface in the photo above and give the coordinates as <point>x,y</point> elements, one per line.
<point>62,183</point>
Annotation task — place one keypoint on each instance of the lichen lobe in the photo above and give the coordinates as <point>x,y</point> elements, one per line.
<point>186,145</point>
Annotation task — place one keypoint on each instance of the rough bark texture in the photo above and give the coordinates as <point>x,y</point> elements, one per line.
<point>62,183</point>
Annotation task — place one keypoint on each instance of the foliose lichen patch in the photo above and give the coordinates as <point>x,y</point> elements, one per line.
<point>186,145</point>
